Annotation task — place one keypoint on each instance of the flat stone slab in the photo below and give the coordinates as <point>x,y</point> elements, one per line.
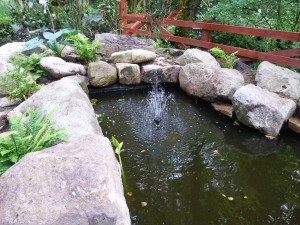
<point>223,108</point>
<point>133,56</point>
<point>294,124</point>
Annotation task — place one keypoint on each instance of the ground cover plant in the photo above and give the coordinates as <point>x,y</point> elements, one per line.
<point>28,132</point>
<point>225,60</point>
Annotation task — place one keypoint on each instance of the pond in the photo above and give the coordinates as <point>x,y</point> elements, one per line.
<point>200,167</point>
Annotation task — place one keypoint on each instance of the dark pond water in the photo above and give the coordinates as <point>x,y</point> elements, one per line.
<point>200,168</point>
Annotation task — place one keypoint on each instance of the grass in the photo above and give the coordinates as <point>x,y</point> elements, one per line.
<point>5,7</point>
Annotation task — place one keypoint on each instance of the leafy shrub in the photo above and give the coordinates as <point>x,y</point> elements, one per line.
<point>225,60</point>
<point>18,83</point>
<point>110,14</point>
<point>29,132</point>
<point>84,48</point>
<point>6,31</point>
<point>29,63</point>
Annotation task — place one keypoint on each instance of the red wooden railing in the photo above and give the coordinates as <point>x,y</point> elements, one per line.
<point>283,57</point>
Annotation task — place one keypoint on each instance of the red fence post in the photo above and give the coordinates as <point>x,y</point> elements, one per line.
<point>206,34</point>
<point>122,12</point>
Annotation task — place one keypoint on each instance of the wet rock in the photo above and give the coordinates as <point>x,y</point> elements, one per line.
<point>294,124</point>
<point>72,108</point>
<point>6,102</point>
<point>278,79</point>
<point>129,73</point>
<point>209,82</point>
<point>133,56</point>
<point>160,71</point>
<point>195,55</point>
<point>58,68</point>
<point>67,184</point>
<point>262,109</point>
<point>102,74</point>
<point>111,43</point>
<point>223,108</point>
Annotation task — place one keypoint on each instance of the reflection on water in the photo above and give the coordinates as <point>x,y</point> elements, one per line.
<point>200,169</point>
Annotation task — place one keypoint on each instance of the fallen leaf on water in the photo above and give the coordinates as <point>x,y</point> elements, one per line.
<point>245,197</point>
<point>143,151</point>
<point>129,194</point>
<point>144,204</point>
<point>224,195</point>
<point>236,123</point>
<point>216,151</point>
<point>270,137</point>
<point>230,198</point>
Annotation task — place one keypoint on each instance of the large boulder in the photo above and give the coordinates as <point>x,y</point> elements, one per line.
<point>72,108</point>
<point>278,79</point>
<point>102,74</point>
<point>6,51</point>
<point>129,73</point>
<point>111,43</point>
<point>195,55</point>
<point>160,71</point>
<point>67,184</point>
<point>58,68</point>
<point>133,56</point>
<point>262,109</point>
<point>209,82</point>
<point>83,81</point>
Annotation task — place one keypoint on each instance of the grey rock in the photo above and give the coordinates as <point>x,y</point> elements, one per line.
<point>129,73</point>
<point>58,68</point>
<point>278,79</point>
<point>38,50</point>
<point>111,43</point>
<point>209,82</point>
<point>83,81</point>
<point>72,108</point>
<point>160,71</point>
<point>133,56</point>
<point>247,72</point>
<point>262,109</point>
<point>3,117</point>
<point>67,184</point>
<point>68,50</point>
<point>102,74</point>
<point>195,55</point>
<point>169,53</point>
<point>6,102</point>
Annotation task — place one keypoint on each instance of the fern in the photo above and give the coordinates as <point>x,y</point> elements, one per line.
<point>29,132</point>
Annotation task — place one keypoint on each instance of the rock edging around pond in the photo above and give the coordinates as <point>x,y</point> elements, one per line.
<point>78,182</point>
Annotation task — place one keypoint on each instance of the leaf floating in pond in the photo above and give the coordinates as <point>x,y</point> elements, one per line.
<point>144,204</point>
<point>236,123</point>
<point>230,198</point>
<point>129,193</point>
<point>143,151</point>
<point>216,151</point>
<point>121,100</point>
<point>245,197</point>
<point>224,195</point>
<point>270,137</point>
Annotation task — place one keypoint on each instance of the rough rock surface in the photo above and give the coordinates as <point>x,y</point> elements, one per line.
<point>6,102</point>
<point>102,74</point>
<point>195,55</point>
<point>129,73</point>
<point>247,72</point>
<point>278,79</point>
<point>83,81</point>
<point>223,108</point>
<point>209,82</point>
<point>262,109</point>
<point>160,71</point>
<point>72,108</point>
<point>133,56</point>
<point>58,68</point>
<point>67,184</point>
<point>169,53</point>
<point>111,43</point>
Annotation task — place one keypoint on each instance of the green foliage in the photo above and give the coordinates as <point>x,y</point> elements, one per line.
<point>158,43</point>
<point>111,18</point>
<point>29,63</point>
<point>6,31</point>
<point>4,8</point>
<point>18,83</point>
<point>84,48</point>
<point>225,60</point>
<point>118,149</point>
<point>29,132</point>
